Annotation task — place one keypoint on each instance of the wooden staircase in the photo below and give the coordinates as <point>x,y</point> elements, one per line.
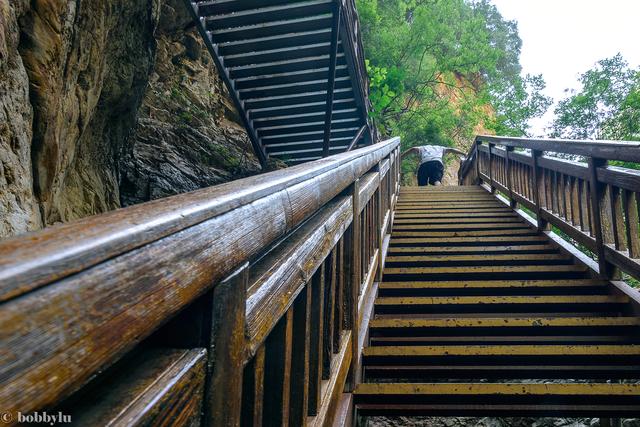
<point>478,313</point>
<point>295,71</point>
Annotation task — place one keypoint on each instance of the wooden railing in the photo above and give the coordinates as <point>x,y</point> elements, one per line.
<point>242,302</point>
<point>593,203</point>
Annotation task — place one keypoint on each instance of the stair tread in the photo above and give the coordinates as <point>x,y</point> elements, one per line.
<point>498,388</point>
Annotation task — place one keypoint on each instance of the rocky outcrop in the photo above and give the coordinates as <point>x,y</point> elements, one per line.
<point>106,103</point>
<point>188,134</point>
<point>18,208</point>
<point>88,65</point>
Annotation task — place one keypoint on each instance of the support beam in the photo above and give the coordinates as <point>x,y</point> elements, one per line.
<point>224,73</point>
<point>356,138</point>
<point>331,78</point>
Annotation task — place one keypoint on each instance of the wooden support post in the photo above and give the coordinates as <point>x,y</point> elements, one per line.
<point>223,396</point>
<point>352,249</point>
<point>253,391</point>
<point>331,78</point>
<point>316,345</point>
<point>477,161</point>
<point>491,184</point>
<point>512,201</point>
<point>537,180</point>
<point>596,198</point>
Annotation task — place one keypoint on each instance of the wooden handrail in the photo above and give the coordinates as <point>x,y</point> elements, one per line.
<point>593,203</point>
<point>229,271</point>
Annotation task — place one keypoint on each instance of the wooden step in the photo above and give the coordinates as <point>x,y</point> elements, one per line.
<point>505,399</point>
<point>485,269</point>
<point>486,300</point>
<point>504,322</point>
<point>502,350</point>
<point>485,258</point>
<point>471,249</point>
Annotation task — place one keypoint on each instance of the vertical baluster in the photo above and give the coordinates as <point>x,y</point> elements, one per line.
<point>329,320</point>
<point>277,372</point>
<point>562,198</point>
<point>575,203</point>
<point>589,213</point>
<point>316,347</point>
<point>607,216</point>
<point>300,347</point>
<point>340,323</point>
<point>630,207</point>
<point>253,390</point>
<point>617,219</point>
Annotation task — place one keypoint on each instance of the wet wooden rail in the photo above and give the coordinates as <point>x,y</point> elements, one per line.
<point>235,304</point>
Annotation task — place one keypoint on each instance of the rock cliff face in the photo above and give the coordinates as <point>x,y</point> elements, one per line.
<point>106,103</point>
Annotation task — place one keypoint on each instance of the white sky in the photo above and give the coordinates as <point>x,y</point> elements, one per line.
<point>563,38</point>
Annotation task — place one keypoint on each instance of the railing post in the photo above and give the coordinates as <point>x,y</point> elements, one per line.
<point>353,263</point>
<point>512,201</point>
<point>596,197</point>
<point>493,188</point>
<point>477,154</point>
<point>223,395</point>
<point>537,179</point>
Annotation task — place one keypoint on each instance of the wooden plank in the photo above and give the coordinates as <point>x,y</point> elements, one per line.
<point>505,322</point>
<point>567,389</point>
<point>487,269</point>
<point>156,387</point>
<point>471,249</point>
<point>504,350</point>
<point>512,218</point>
<point>513,233</point>
<point>446,284</point>
<point>483,258</point>
<point>485,239</point>
<point>529,299</point>
<point>463,226</point>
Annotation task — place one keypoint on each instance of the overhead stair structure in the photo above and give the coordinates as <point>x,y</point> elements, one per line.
<point>295,71</point>
<point>480,314</point>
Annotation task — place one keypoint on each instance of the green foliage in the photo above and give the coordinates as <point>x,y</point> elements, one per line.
<point>438,69</point>
<point>606,107</point>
